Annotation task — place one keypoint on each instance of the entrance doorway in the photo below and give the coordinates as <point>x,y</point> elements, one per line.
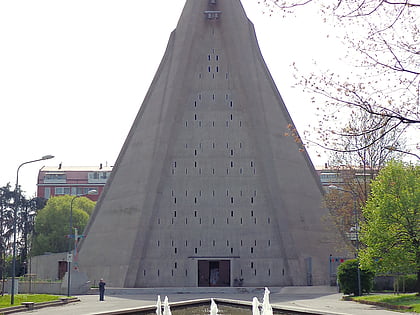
<point>214,273</point>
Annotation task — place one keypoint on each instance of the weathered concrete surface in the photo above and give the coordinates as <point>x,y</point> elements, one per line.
<point>212,183</point>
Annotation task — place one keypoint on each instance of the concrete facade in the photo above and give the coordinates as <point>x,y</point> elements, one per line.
<point>208,190</point>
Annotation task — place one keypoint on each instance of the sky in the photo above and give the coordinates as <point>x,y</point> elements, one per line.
<point>73,74</point>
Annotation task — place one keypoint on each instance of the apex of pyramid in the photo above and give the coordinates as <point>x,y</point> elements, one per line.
<point>211,10</point>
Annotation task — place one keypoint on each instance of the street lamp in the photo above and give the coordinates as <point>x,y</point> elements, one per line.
<point>69,255</point>
<point>356,217</point>
<point>390,148</point>
<point>45,157</point>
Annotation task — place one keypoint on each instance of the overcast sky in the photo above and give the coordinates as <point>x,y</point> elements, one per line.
<point>73,74</point>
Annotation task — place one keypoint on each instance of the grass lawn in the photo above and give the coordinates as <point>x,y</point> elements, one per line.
<point>412,300</point>
<point>19,298</point>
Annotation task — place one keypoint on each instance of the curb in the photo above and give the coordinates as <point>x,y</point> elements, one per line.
<point>28,306</point>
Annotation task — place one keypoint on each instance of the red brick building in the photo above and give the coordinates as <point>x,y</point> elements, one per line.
<point>72,180</point>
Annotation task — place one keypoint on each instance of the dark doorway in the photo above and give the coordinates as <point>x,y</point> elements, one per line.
<point>214,273</point>
<point>62,269</point>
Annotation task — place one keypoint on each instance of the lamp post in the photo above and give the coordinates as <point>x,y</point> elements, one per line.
<point>15,210</point>
<point>356,217</point>
<point>69,255</point>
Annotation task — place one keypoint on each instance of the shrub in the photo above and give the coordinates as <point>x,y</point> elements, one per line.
<point>347,278</point>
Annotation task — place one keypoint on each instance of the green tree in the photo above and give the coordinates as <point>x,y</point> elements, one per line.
<point>52,223</point>
<point>348,280</point>
<point>391,230</point>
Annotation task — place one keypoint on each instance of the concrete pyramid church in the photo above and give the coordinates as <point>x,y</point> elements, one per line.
<point>207,189</point>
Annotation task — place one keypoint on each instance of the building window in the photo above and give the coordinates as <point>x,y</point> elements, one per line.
<point>62,190</point>
<point>98,177</point>
<point>55,178</point>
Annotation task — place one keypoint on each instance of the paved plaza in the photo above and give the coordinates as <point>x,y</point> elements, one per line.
<point>320,300</point>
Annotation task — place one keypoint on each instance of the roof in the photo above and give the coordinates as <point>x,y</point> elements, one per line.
<point>57,169</point>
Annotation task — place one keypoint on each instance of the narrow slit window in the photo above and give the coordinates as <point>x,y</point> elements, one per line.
<point>209,69</point>
<point>174,214</point>
<point>231,250</point>
<point>196,250</point>
<point>195,213</point>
